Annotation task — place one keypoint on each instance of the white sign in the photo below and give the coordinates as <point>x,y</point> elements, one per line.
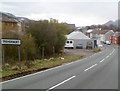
<point>10,42</point>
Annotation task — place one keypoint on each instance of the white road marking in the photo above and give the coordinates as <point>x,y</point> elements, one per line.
<point>43,71</point>
<point>46,70</point>
<point>91,67</point>
<point>102,60</point>
<point>107,56</point>
<point>61,83</point>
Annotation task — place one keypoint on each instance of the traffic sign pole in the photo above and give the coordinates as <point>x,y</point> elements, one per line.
<point>19,58</point>
<point>10,42</point>
<point>3,54</point>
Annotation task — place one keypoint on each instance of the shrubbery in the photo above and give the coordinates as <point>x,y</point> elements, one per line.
<point>49,36</point>
<point>42,39</point>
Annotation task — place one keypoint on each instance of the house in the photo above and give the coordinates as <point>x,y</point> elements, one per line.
<point>10,24</point>
<point>89,33</point>
<point>71,26</point>
<point>100,35</point>
<point>77,38</point>
<point>115,39</point>
<point>108,35</point>
<point>94,35</point>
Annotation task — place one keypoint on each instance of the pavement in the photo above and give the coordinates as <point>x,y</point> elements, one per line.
<point>99,71</point>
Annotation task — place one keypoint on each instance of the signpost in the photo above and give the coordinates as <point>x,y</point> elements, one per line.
<point>16,42</point>
<point>10,42</point>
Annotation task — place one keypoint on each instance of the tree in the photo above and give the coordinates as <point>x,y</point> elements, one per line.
<point>49,36</point>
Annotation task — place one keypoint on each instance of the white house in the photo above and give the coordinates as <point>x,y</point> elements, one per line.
<point>75,38</point>
<point>106,35</point>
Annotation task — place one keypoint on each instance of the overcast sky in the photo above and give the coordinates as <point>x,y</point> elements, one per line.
<point>72,11</point>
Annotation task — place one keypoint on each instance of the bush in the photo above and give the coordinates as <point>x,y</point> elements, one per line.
<point>49,36</point>
<point>29,64</point>
<point>15,68</point>
<point>96,49</point>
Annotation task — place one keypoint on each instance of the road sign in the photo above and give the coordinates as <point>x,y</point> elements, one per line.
<point>10,41</point>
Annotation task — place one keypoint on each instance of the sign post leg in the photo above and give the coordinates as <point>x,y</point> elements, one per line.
<point>19,58</point>
<point>3,55</point>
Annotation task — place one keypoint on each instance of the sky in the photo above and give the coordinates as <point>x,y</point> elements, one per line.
<point>79,12</point>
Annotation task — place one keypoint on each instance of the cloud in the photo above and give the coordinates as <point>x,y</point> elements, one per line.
<point>80,13</point>
<point>59,0</point>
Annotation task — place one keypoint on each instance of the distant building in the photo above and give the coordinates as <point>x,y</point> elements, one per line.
<point>10,24</point>
<point>71,26</point>
<point>105,35</point>
<point>108,35</point>
<point>77,38</point>
<point>100,35</point>
<point>115,39</point>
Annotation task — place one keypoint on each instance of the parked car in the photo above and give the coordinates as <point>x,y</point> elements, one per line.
<point>108,43</point>
<point>69,44</point>
<point>79,46</point>
<point>100,45</point>
<point>104,42</point>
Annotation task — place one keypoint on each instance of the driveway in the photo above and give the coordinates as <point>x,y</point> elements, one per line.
<point>82,52</point>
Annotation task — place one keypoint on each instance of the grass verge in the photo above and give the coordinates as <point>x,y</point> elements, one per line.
<point>96,50</point>
<point>28,67</point>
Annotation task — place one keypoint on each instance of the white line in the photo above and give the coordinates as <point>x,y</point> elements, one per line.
<point>30,74</point>
<point>45,70</point>
<point>61,83</point>
<point>102,60</point>
<point>90,67</point>
<point>107,56</point>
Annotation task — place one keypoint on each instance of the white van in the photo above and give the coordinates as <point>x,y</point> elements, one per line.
<point>69,44</point>
<point>108,42</point>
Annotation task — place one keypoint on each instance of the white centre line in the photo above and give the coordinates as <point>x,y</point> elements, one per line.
<point>90,67</point>
<point>107,56</point>
<point>61,83</point>
<point>102,60</point>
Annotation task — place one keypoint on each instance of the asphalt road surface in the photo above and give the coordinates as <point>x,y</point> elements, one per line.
<point>99,71</point>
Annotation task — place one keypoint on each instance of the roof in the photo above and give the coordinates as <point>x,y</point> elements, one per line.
<point>8,20</point>
<point>6,17</point>
<point>72,26</point>
<point>110,32</point>
<point>103,31</point>
<point>89,31</point>
<point>77,35</point>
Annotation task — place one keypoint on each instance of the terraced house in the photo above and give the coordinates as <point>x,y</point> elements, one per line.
<point>116,38</point>
<point>10,23</point>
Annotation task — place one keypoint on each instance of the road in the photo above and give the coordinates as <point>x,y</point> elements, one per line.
<point>99,71</point>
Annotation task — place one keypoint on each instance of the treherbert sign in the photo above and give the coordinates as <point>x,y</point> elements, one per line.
<point>10,42</point>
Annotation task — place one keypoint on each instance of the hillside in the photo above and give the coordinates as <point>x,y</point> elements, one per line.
<point>11,17</point>
<point>115,23</point>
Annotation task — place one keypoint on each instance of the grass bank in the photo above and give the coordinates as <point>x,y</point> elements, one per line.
<point>96,50</point>
<point>28,67</point>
